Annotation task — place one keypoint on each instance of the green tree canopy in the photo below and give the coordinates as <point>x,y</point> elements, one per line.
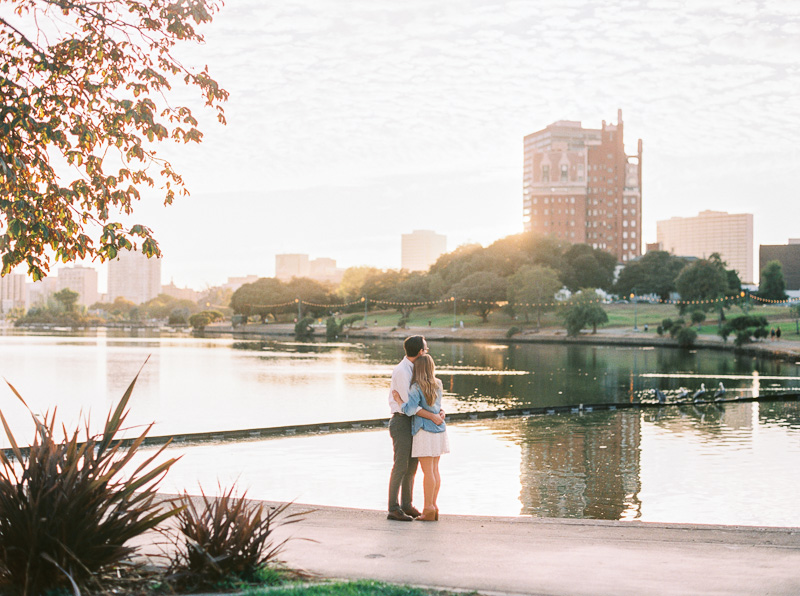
<point>533,285</point>
<point>588,267</point>
<point>352,284</point>
<point>311,291</point>
<point>704,281</point>
<point>414,288</point>
<point>263,297</point>
<point>654,273</point>
<point>87,84</point>
<point>772,285</point>
<point>67,298</point>
<point>483,290</point>
<point>584,310</point>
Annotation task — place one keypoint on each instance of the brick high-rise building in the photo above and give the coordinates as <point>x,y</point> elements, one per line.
<point>579,185</point>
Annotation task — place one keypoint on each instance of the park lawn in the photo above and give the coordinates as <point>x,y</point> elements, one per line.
<point>620,315</point>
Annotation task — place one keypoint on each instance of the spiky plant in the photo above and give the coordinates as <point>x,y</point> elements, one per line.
<point>225,538</point>
<point>68,507</point>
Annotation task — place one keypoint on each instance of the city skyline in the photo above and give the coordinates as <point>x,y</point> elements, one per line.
<point>349,125</point>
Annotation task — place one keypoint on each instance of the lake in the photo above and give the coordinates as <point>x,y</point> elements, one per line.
<point>731,463</point>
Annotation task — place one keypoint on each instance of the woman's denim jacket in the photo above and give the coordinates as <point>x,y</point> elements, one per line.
<point>416,399</point>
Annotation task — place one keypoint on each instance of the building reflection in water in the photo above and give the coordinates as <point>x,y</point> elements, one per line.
<point>578,467</point>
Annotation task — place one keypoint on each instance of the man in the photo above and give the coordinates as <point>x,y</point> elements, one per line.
<point>405,467</point>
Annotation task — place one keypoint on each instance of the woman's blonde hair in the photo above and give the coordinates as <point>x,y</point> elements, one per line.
<point>423,375</point>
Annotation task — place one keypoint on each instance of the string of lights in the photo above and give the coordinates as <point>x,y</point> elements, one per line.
<point>501,303</point>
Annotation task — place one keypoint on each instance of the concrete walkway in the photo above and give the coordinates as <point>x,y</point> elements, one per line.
<point>547,556</point>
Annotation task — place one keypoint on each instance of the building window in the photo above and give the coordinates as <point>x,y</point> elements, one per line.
<point>546,173</point>
<point>546,200</point>
<point>624,246</point>
<point>633,234</point>
<point>624,234</point>
<point>633,224</point>
<point>564,173</point>
<point>547,212</point>
<point>625,223</point>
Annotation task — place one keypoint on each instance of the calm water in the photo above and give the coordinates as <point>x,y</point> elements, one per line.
<point>730,464</point>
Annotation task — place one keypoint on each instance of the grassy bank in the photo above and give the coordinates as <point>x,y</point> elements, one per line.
<point>620,316</point>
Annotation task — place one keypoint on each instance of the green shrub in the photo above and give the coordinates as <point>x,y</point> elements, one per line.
<point>745,328</point>
<point>697,317</point>
<point>660,330</point>
<point>223,539</point>
<point>303,329</point>
<point>332,329</point>
<point>686,337</point>
<point>67,508</point>
<point>512,331</point>
<point>666,324</point>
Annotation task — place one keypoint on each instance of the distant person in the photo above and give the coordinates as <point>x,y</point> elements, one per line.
<point>404,466</point>
<point>772,334</point>
<point>778,333</point>
<point>430,439</point>
<point>645,327</point>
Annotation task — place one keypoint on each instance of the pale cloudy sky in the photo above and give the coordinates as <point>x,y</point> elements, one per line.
<point>352,122</point>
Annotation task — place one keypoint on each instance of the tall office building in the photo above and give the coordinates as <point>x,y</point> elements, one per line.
<point>13,292</point>
<point>580,186</point>
<point>288,266</point>
<point>82,280</point>
<point>420,249</point>
<point>134,277</point>
<point>789,257</point>
<point>729,234</point>
<point>299,265</point>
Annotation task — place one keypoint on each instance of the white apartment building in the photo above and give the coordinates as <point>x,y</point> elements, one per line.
<point>13,292</point>
<point>82,280</point>
<point>323,269</point>
<point>288,266</point>
<point>420,249</point>
<point>134,277</point>
<point>729,234</point>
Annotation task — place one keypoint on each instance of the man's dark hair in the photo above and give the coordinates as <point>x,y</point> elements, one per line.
<point>413,345</point>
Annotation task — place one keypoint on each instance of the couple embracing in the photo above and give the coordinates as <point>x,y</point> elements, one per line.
<point>418,432</point>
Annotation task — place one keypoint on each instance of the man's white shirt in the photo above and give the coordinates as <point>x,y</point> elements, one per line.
<point>401,382</point>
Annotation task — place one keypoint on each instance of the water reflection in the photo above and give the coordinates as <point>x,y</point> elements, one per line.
<point>581,466</point>
<point>195,385</point>
<point>705,464</point>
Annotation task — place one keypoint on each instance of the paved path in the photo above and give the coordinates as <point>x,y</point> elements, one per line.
<point>521,555</point>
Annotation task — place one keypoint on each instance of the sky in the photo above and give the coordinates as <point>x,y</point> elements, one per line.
<point>351,123</point>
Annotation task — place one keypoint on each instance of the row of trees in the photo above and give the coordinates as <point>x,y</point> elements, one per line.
<point>521,274</point>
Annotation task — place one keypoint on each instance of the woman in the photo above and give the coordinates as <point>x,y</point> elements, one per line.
<point>430,440</point>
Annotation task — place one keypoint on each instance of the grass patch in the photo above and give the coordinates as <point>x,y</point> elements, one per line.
<point>355,588</point>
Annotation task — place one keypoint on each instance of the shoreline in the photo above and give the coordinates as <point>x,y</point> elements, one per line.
<point>613,336</point>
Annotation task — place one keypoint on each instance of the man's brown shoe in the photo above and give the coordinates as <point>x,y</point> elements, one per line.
<point>399,515</point>
<point>412,511</point>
